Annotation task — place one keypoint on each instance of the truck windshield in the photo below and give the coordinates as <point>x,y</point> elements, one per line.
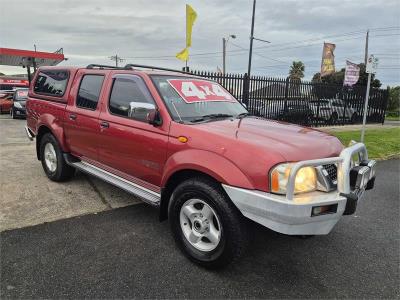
<point>194,100</point>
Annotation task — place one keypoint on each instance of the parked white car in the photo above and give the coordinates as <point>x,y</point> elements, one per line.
<point>333,110</point>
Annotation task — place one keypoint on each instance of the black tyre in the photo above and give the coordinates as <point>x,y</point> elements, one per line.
<point>354,118</point>
<point>52,159</point>
<point>206,225</point>
<point>12,113</point>
<point>333,119</point>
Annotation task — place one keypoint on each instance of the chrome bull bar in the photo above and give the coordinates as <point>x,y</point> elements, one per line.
<point>343,168</point>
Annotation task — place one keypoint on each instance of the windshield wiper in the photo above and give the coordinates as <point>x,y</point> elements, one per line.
<point>211,116</point>
<point>215,116</point>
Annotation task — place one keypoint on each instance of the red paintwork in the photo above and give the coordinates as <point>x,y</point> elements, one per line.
<point>238,153</point>
<point>5,101</point>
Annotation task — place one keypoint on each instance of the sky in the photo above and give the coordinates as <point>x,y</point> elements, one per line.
<point>152,32</point>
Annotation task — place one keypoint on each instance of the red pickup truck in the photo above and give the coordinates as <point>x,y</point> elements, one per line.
<point>185,145</point>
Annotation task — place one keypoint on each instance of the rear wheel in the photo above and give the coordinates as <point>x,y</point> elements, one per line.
<point>207,227</point>
<point>52,159</point>
<point>354,118</point>
<point>333,119</point>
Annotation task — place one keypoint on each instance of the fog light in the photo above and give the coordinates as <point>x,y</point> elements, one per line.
<point>323,210</point>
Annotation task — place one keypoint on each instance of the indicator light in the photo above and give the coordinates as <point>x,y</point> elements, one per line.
<point>182,139</point>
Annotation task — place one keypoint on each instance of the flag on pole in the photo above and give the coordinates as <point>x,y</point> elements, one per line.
<point>183,55</point>
<point>191,16</point>
<point>351,74</point>
<point>190,19</point>
<point>328,59</point>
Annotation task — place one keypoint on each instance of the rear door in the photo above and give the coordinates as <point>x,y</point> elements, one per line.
<point>82,114</point>
<point>129,146</point>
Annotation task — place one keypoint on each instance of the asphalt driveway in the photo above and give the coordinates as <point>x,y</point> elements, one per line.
<point>126,253</point>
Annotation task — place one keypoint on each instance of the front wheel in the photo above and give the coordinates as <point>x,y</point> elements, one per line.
<point>207,227</point>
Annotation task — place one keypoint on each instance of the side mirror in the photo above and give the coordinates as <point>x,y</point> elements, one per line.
<point>146,112</point>
<point>154,118</point>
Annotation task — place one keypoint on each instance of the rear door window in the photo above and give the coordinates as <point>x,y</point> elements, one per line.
<point>51,82</point>
<point>89,91</point>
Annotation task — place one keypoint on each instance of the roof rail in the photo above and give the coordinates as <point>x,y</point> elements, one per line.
<point>92,66</point>
<point>131,66</point>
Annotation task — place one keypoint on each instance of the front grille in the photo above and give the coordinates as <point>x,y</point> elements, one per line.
<point>332,171</point>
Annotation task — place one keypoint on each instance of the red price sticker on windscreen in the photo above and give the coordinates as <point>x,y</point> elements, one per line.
<point>196,90</point>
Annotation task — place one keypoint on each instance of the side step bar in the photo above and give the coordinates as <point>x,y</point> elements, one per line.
<point>146,195</point>
<point>29,133</point>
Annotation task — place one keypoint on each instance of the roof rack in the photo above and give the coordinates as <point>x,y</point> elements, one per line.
<point>92,66</point>
<point>131,66</point>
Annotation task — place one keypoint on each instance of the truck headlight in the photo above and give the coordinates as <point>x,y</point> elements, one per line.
<point>306,179</point>
<point>17,104</point>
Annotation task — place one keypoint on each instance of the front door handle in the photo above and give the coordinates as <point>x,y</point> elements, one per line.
<point>72,117</point>
<point>104,124</point>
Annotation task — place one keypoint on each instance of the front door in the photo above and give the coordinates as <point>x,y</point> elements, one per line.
<point>129,145</point>
<point>82,117</point>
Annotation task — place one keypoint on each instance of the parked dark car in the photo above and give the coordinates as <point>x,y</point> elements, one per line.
<point>18,109</point>
<point>291,111</point>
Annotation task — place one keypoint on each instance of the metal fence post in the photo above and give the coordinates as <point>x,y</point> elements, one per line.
<point>318,104</point>
<point>246,91</point>
<point>341,97</point>
<point>287,88</point>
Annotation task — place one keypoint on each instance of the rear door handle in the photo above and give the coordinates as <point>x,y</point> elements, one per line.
<point>72,117</point>
<point>104,124</point>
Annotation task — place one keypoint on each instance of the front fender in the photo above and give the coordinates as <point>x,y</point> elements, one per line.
<point>212,164</point>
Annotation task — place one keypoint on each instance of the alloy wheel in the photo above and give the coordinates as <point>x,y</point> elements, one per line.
<point>200,225</point>
<point>50,157</point>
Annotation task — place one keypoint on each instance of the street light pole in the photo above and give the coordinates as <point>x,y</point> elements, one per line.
<point>251,38</point>
<point>223,55</point>
<point>224,44</point>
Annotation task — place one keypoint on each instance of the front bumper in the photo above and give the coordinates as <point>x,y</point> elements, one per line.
<point>294,214</point>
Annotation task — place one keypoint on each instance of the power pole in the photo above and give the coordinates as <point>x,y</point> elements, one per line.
<point>366,47</point>
<point>251,38</point>
<point>223,55</point>
<point>365,109</point>
<point>117,59</point>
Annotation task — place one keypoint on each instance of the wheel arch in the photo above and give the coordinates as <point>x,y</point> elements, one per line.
<point>57,132</point>
<point>173,181</point>
<point>191,163</point>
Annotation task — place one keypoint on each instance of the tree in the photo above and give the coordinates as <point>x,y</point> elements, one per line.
<point>338,78</point>
<point>394,99</point>
<point>296,71</point>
